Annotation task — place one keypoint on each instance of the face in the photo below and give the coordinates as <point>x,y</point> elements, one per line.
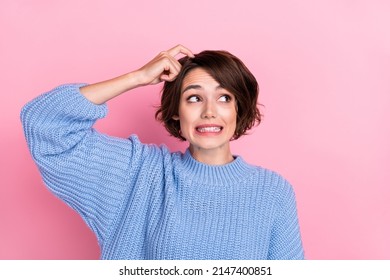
<point>207,113</point>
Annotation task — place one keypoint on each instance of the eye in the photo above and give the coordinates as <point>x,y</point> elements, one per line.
<point>225,98</point>
<point>193,99</point>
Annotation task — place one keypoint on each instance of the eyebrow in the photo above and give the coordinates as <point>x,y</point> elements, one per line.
<point>197,87</point>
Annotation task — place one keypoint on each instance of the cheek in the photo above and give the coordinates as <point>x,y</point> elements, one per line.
<point>230,116</point>
<point>234,122</point>
<point>185,125</point>
<point>188,115</point>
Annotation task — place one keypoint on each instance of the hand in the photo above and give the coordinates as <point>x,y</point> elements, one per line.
<point>164,67</point>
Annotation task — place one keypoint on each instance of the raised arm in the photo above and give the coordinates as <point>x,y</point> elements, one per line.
<point>88,170</point>
<point>164,67</point>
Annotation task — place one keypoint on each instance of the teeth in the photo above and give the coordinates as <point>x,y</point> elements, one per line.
<point>209,129</point>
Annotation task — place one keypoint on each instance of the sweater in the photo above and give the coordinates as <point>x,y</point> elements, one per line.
<point>144,202</point>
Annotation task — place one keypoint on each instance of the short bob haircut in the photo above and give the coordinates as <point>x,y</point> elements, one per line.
<point>232,75</point>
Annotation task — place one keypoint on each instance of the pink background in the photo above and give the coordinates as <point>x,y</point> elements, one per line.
<point>323,69</point>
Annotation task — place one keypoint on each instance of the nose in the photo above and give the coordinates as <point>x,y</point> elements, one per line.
<point>209,110</point>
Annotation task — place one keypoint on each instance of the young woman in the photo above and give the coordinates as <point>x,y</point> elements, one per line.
<point>144,202</point>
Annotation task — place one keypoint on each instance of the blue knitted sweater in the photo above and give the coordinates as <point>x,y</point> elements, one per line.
<point>144,202</point>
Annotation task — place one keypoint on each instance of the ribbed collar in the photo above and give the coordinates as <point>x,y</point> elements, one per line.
<point>214,175</point>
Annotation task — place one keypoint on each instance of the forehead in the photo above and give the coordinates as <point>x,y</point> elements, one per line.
<point>198,76</point>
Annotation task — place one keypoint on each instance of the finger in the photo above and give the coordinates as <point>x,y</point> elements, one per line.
<point>170,72</point>
<point>168,77</point>
<point>180,49</point>
<point>171,65</point>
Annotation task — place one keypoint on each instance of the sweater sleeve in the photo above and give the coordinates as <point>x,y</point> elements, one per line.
<point>86,169</point>
<point>286,243</point>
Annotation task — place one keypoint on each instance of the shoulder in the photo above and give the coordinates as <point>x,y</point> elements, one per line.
<point>283,191</point>
<point>150,152</point>
<point>274,183</point>
<point>270,177</point>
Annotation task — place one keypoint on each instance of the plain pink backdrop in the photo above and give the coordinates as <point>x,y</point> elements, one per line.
<point>323,69</point>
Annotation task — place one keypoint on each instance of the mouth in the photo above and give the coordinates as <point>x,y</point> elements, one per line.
<point>209,128</point>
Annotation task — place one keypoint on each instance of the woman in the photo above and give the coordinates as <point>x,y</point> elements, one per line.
<point>144,202</point>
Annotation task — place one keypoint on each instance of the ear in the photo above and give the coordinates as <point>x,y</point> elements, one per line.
<point>175,117</point>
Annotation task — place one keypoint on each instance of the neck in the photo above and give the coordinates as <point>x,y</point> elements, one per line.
<point>217,156</point>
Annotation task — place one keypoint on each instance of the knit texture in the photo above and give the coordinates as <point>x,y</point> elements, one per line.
<point>144,202</point>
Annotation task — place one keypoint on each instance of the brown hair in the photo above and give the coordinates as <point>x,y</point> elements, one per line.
<point>232,75</point>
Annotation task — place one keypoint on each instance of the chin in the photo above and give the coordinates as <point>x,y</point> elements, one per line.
<point>209,146</point>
